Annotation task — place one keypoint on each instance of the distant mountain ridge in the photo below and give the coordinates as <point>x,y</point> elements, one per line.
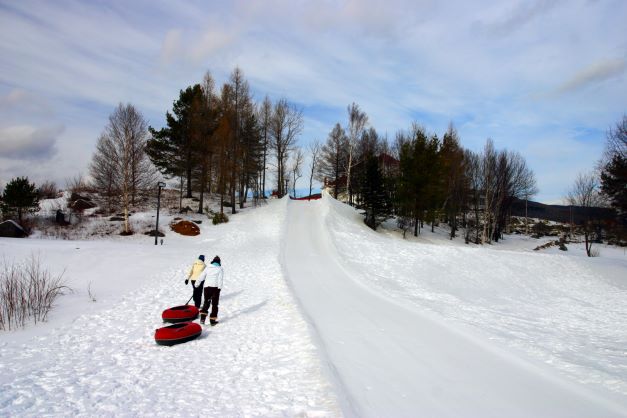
<point>561,213</point>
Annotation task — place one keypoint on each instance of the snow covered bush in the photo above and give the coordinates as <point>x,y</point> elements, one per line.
<point>27,292</point>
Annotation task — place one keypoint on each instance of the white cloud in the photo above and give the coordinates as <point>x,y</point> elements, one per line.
<point>489,67</point>
<point>28,142</point>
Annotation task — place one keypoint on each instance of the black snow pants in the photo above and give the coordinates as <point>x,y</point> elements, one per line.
<point>212,296</point>
<point>197,296</point>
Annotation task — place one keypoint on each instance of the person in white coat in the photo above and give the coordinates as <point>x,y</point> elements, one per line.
<point>214,276</point>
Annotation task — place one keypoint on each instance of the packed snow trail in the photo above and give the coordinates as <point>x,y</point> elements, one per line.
<point>390,360</point>
<point>259,361</point>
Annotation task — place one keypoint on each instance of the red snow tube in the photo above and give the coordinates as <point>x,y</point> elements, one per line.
<point>177,333</point>
<point>181,313</point>
<point>310,197</point>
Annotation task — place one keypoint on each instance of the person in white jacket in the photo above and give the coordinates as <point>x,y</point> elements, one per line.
<point>214,276</point>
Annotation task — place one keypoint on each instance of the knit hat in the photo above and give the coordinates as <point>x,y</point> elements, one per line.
<point>216,259</point>
<point>201,257</point>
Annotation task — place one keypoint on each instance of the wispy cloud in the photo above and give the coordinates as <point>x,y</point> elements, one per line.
<point>596,73</point>
<point>518,16</point>
<point>20,100</point>
<point>171,46</point>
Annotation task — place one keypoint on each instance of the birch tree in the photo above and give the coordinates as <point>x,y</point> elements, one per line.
<point>314,151</point>
<point>285,126</point>
<point>121,152</point>
<point>488,186</point>
<point>357,121</point>
<point>296,168</point>
<point>264,117</point>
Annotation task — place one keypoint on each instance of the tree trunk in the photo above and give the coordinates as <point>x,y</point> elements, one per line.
<point>348,173</point>
<point>526,218</point>
<point>189,174</point>
<point>203,181</point>
<point>181,195</point>
<point>586,236</point>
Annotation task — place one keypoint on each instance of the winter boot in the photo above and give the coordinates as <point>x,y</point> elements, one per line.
<point>203,316</point>
<point>213,321</point>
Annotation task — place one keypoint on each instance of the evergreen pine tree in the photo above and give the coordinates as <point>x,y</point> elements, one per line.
<point>20,196</point>
<point>376,202</point>
<point>171,148</point>
<point>614,185</point>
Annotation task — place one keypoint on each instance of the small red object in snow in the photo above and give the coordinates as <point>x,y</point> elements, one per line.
<point>180,314</point>
<point>177,333</point>
<point>310,197</point>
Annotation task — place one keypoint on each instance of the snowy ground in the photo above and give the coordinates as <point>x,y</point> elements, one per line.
<point>100,359</point>
<point>371,299</point>
<point>322,317</point>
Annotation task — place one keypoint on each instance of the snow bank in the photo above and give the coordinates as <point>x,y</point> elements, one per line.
<point>556,308</point>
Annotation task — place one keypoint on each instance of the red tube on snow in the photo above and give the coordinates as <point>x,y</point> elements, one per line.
<point>310,197</point>
<point>181,313</point>
<point>177,333</point>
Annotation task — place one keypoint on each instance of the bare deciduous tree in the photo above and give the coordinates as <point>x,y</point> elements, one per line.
<point>120,165</point>
<point>314,151</point>
<point>529,188</point>
<point>297,163</point>
<point>203,123</point>
<point>76,184</point>
<point>488,186</point>
<point>357,120</point>
<point>473,173</point>
<point>285,126</point>
<point>585,193</point>
<point>47,190</point>
<point>616,141</point>
<point>264,116</point>
<point>103,171</point>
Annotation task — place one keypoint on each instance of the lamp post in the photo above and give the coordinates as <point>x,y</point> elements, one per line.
<point>160,185</point>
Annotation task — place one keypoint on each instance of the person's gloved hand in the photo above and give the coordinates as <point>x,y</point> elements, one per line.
<point>186,281</point>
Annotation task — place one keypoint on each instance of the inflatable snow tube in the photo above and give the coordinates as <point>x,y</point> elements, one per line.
<point>177,333</point>
<point>181,313</point>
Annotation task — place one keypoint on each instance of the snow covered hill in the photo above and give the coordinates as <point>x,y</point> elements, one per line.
<point>451,331</point>
<point>321,316</point>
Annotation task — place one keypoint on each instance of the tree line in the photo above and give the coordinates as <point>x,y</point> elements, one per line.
<point>221,142</point>
<point>214,142</point>
<point>423,179</point>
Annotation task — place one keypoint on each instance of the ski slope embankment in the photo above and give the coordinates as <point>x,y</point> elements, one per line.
<point>388,354</point>
<point>561,309</point>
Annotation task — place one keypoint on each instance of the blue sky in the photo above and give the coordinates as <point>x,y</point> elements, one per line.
<point>542,77</point>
